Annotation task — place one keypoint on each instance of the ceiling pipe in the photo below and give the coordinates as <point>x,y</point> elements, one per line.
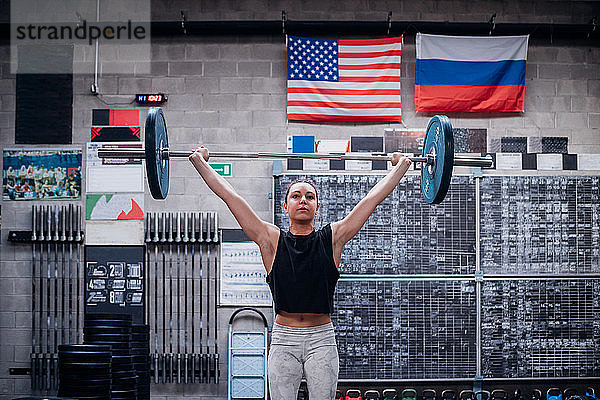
<point>584,32</point>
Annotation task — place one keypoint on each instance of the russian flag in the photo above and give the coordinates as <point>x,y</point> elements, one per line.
<point>470,73</point>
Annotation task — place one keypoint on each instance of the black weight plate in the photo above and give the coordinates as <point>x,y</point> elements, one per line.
<point>114,345</point>
<point>89,390</point>
<point>84,388</point>
<point>123,369</point>
<point>45,398</point>
<point>84,391</point>
<point>111,316</point>
<point>88,368</point>
<point>126,359</point>
<point>78,381</point>
<point>83,364</point>
<point>107,323</point>
<point>143,372</point>
<point>110,329</point>
<point>110,320</point>
<point>91,397</point>
<point>86,365</point>
<point>123,375</point>
<point>84,375</point>
<point>439,141</point>
<point>75,380</point>
<point>68,360</point>
<point>106,337</point>
<point>120,377</point>
<point>94,397</point>
<point>124,382</point>
<point>75,348</point>
<point>107,330</point>
<point>121,352</point>
<point>85,355</point>
<point>157,167</point>
<point>87,396</point>
<point>120,373</point>
<point>141,328</point>
<point>83,358</point>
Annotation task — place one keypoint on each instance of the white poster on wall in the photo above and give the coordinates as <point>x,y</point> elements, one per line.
<point>243,276</point>
<point>113,175</point>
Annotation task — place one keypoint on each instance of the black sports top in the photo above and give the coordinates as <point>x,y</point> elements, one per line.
<point>304,275</point>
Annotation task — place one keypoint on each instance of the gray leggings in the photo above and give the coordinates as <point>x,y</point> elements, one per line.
<point>296,350</point>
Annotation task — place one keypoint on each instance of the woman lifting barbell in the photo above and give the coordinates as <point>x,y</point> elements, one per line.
<point>302,267</point>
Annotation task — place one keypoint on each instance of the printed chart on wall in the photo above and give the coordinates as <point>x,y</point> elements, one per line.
<point>243,276</point>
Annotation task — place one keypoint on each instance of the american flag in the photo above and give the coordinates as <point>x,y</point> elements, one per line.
<point>343,80</point>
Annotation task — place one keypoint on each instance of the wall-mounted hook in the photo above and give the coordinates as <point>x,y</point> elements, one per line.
<point>594,23</point>
<point>183,21</point>
<point>492,22</point>
<point>79,18</point>
<point>283,21</point>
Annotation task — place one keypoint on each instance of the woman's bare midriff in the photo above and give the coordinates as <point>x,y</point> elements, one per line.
<point>302,320</point>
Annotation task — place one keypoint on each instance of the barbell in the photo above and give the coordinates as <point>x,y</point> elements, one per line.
<point>438,156</point>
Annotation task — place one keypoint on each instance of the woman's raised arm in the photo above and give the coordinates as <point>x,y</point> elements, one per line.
<point>344,230</point>
<point>259,231</point>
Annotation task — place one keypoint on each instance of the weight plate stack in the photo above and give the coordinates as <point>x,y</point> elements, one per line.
<point>84,371</point>
<point>140,350</point>
<point>45,398</point>
<point>115,330</point>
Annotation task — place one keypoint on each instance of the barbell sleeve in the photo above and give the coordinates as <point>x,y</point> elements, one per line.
<point>461,161</point>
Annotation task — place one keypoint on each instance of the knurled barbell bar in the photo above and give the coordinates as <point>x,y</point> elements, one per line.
<point>438,156</point>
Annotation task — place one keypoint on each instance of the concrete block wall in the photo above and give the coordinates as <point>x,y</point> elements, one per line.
<point>228,93</point>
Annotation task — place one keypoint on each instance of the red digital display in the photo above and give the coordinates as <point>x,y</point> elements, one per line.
<point>150,99</point>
